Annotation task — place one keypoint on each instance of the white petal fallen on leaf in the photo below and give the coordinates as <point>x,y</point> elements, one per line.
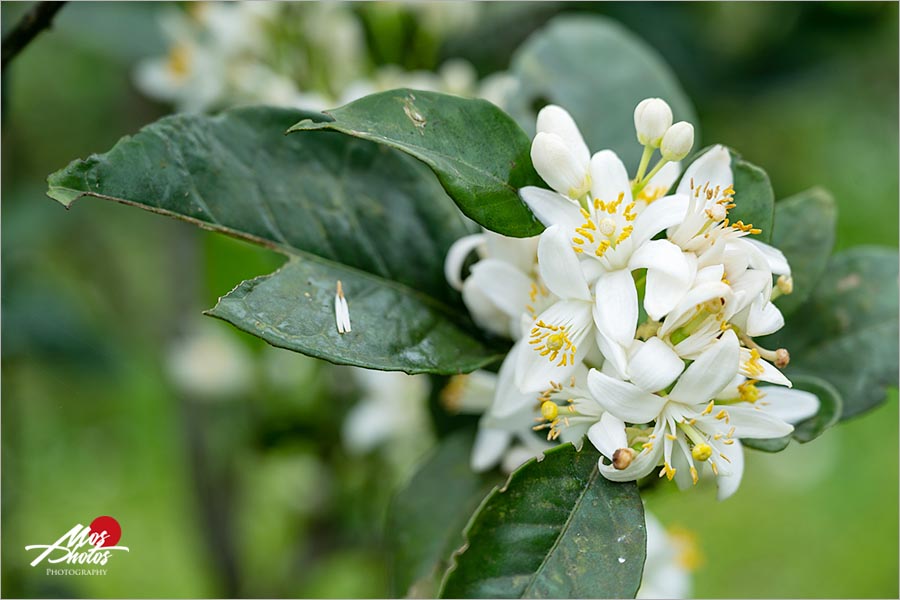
<point>341,310</point>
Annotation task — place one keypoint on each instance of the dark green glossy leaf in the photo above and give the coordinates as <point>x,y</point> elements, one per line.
<point>478,152</point>
<point>804,231</point>
<point>426,518</point>
<point>557,529</point>
<point>829,413</point>
<point>341,208</point>
<point>598,71</point>
<point>753,197</point>
<point>846,333</point>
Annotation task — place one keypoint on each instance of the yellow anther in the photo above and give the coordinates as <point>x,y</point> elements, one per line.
<point>701,452</point>
<point>748,391</point>
<point>722,415</point>
<point>753,365</point>
<point>694,474</point>
<point>671,437</point>
<point>709,408</point>
<point>668,471</point>
<point>549,410</point>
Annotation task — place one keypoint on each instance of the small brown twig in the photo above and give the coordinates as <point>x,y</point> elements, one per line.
<point>35,20</point>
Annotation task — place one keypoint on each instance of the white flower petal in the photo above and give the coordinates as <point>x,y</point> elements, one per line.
<point>714,168</point>
<point>485,313</point>
<point>749,286</point>
<point>711,372</point>
<point>663,179</point>
<point>641,466</point>
<point>669,276</point>
<point>764,318</point>
<point>556,163</point>
<point>535,372</point>
<point>750,421</point>
<point>609,179</point>
<point>761,370</point>
<point>557,120</point>
<point>551,208</point>
<point>654,366</point>
<point>521,253</point>
<point>503,284</point>
<point>457,256</point>
<point>658,216</point>
<point>775,258</point>
<point>624,400</point>
<point>791,406</point>
<point>608,434</point>
<point>685,308</point>
<point>488,449</point>
<point>616,307</point>
<point>616,362</point>
<point>508,400</point>
<point>728,484</point>
<point>560,267</point>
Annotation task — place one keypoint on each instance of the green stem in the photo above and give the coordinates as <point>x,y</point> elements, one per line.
<point>645,160</point>
<point>640,186</point>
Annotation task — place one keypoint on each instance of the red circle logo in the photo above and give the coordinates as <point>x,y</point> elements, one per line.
<point>110,526</point>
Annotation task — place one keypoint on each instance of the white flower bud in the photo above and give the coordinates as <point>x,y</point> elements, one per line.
<point>678,141</point>
<point>652,117</point>
<point>557,120</point>
<point>558,166</point>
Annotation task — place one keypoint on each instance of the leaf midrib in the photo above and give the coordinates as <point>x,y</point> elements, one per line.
<point>595,472</point>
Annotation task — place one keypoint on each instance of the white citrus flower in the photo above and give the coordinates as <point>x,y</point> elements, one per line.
<point>689,428</point>
<point>503,288</point>
<point>392,404</point>
<point>505,433</point>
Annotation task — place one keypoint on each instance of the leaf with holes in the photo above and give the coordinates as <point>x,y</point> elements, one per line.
<point>340,208</point>
<point>479,154</point>
<point>557,529</point>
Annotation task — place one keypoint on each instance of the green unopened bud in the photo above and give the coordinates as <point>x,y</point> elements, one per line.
<point>677,142</point>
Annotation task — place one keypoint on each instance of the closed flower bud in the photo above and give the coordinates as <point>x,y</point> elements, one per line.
<point>678,141</point>
<point>652,118</point>
<point>558,165</point>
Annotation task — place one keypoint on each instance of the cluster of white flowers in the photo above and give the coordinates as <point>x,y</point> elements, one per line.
<point>308,55</point>
<point>634,312</point>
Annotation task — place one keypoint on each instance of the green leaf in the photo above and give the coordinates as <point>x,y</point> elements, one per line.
<point>846,333</point>
<point>753,197</point>
<point>598,71</point>
<point>804,231</point>
<point>829,413</point>
<point>557,529</point>
<point>340,208</point>
<point>479,154</point>
<point>426,518</point>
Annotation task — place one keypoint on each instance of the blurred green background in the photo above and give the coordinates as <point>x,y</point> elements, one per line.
<point>253,494</point>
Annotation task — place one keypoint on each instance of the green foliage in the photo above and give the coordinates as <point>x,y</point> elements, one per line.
<point>753,197</point>
<point>598,71</point>
<point>804,231</point>
<point>477,151</point>
<point>557,529</point>
<point>846,333</point>
<point>427,517</point>
<point>340,208</point>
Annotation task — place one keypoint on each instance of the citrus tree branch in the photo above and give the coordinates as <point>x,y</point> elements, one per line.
<point>35,20</point>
